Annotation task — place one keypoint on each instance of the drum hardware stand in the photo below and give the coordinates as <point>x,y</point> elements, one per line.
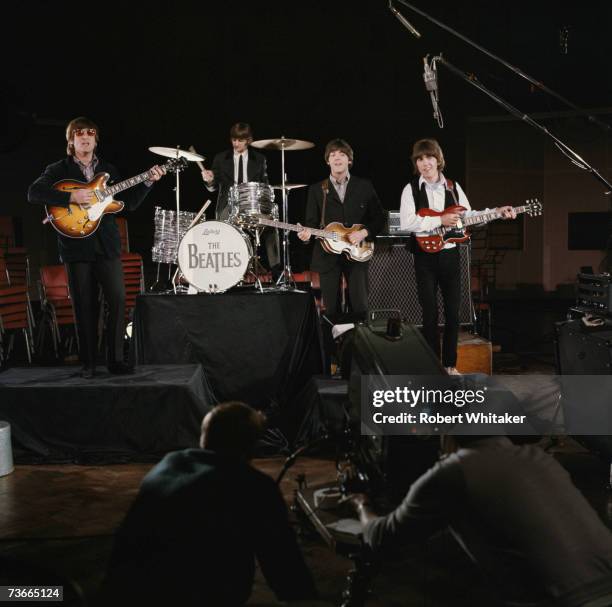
<point>190,156</point>
<point>153,287</point>
<point>255,266</point>
<point>285,281</point>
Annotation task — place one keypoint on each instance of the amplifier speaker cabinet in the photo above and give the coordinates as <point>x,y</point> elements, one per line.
<point>583,352</point>
<point>399,460</point>
<point>393,282</point>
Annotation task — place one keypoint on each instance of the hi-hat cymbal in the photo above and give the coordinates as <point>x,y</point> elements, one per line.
<point>290,186</point>
<point>176,153</point>
<point>282,144</point>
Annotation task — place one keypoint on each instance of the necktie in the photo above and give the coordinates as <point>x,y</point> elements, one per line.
<point>240,170</point>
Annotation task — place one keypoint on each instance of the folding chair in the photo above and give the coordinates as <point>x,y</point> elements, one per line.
<point>122,224</point>
<point>15,314</point>
<point>56,305</point>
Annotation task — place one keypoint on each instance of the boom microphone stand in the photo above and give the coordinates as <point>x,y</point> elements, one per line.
<point>563,147</point>
<point>592,119</point>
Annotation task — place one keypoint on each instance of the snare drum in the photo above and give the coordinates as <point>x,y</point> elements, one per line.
<point>249,201</point>
<point>214,256</point>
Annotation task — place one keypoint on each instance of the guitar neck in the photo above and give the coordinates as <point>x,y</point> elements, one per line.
<point>127,183</point>
<point>486,217</point>
<point>478,218</point>
<point>296,228</point>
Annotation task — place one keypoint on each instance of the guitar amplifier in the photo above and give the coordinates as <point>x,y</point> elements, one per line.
<point>583,351</point>
<point>393,225</point>
<point>594,294</point>
<point>393,282</point>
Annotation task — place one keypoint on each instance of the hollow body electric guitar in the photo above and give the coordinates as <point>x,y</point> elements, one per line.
<point>81,221</point>
<point>334,238</point>
<point>434,241</point>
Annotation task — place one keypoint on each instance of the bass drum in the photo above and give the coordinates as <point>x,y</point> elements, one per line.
<point>213,256</point>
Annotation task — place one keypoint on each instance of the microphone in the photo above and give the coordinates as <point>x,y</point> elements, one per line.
<point>430,77</point>
<point>404,21</point>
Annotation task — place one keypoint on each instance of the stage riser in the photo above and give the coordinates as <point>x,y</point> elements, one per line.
<point>56,416</point>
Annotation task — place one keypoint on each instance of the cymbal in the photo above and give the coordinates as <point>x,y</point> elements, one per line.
<point>282,144</point>
<point>172,153</point>
<point>289,186</point>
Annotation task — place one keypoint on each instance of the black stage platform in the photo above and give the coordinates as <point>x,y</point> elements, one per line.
<point>56,416</point>
<point>259,348</point>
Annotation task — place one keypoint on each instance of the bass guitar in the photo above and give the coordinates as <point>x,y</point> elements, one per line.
<point>81,221</point>
<point>334,238</point>
<point>434,241</point>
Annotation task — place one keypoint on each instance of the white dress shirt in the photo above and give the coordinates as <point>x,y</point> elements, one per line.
<point>436,195</point>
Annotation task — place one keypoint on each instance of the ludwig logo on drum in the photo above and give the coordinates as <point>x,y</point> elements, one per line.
<point>212,259</point>
<point>208,232</point>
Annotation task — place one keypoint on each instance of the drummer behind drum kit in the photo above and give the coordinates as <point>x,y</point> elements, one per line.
<point>214,256</point>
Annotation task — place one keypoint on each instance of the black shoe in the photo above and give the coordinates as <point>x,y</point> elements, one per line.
<point>88,372</point>
<point>118,368</point>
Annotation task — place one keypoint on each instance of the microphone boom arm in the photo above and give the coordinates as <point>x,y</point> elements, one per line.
<point>511,67</point>
<point>565,149</point>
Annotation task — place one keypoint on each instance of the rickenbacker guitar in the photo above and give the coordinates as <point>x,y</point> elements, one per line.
<point>434,241</point>
<point>80,221</point>
<point>334,238</point>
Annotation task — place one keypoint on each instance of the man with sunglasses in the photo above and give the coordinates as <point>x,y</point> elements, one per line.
<point>96,259</point>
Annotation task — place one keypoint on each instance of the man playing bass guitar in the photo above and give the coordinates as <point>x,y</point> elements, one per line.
<point>430,189</point>
<point>349,200</point>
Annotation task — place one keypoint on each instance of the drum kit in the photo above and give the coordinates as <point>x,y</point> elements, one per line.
<point>214,256</point>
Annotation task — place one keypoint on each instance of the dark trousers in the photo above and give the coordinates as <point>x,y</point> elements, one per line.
<point>356,275</point>
<point>270,243</point>
<point>442,270</point>
<point>83,278</point>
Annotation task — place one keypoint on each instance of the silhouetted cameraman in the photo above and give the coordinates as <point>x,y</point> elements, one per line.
<point>201,518</point>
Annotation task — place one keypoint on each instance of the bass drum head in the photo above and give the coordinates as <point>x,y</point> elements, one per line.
<point>214,256</point>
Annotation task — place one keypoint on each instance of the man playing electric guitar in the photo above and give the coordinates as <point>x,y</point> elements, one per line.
<point>430,189</point>
<point>95,259</point>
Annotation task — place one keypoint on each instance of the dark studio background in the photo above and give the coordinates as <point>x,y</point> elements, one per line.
<point>165,74</point>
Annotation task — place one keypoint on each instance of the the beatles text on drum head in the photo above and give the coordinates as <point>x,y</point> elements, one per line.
<point>213,258</point>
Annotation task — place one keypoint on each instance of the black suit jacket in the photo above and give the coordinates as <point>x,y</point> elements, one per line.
<point>223,168</point>
<point>361,205</point>
<point>107,234</point>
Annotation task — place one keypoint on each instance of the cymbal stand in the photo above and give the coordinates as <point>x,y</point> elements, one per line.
<point>178,204</point>
<point>285,280</point>
<point>254,263</point>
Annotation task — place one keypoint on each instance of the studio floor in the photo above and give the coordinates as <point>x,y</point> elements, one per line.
<point>63,518</point>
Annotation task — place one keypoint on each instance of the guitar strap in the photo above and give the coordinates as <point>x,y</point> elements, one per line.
<point>450,187</point>
<point>325,187</point>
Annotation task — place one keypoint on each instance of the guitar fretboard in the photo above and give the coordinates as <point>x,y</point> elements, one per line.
<point>483,217</point>
<point>127,183</point>
<point>295,228</point>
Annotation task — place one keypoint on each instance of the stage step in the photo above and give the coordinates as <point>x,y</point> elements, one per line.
<point>474,354</point>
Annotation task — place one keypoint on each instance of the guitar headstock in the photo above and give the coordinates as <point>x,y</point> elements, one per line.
<point>175,165</point>
<point>533,207</point>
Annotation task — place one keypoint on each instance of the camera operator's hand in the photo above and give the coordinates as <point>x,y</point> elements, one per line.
<point>362,506</point>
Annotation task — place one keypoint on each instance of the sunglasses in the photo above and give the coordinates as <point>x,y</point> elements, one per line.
<point>90,132</point>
